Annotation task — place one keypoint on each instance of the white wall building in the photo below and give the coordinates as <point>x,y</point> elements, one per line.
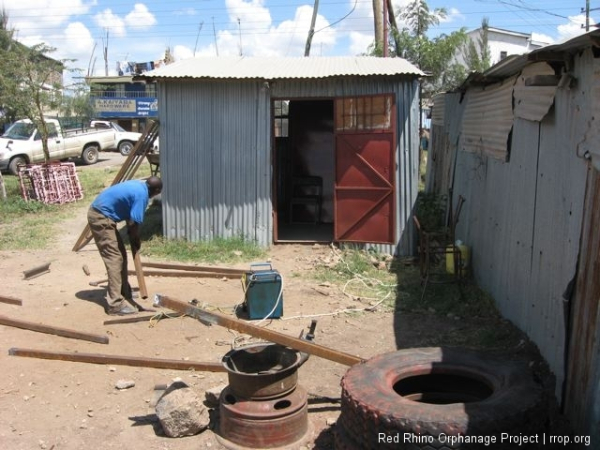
<point>503,43</point>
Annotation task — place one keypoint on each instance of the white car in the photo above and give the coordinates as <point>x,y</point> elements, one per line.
<point>124,140</point>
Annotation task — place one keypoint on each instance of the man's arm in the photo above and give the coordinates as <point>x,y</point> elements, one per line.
<point>133,231</point>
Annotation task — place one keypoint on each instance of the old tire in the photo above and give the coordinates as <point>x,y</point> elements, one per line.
<point>125,147</point>
<point>90,155</point>
<point>416,398</point>
<point>13,166</point>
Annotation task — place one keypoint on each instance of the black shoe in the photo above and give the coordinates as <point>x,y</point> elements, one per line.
<point>122,310</point>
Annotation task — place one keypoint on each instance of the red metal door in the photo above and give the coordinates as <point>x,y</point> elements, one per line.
<point>364,187</point>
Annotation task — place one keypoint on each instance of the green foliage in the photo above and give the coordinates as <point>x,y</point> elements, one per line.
<point>30,81</point>
<point>430,209</point>
<point>433,56</point>
<point>477,55</point>
<point>217,250</point>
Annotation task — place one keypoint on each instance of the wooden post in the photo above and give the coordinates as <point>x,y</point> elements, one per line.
<point>139,272</point>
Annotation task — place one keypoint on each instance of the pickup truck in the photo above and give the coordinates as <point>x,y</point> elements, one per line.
<point>124,140</point>
<point>22,144</point>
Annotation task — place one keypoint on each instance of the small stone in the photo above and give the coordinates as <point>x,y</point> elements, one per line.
<point>212,395</point>
<point>124,384</point>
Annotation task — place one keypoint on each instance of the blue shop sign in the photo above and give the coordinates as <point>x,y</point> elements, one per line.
<point>126,107</point>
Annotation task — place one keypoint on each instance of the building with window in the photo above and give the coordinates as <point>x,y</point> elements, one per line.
<point>502,43</point>
<point>120,99</point>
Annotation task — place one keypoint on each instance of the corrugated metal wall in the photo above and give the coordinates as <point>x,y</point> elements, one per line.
<point>216,160</point>
<point>226,191</point>
<point>523,218</point>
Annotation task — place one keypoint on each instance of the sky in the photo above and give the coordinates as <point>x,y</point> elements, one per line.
<point>94,35</point>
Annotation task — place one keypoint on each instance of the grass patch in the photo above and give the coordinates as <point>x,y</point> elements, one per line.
<point>218,250</point>
<point>359,274</point>
<point>30,225</point>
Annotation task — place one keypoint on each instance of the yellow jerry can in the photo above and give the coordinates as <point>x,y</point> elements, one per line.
<point>465,258</point>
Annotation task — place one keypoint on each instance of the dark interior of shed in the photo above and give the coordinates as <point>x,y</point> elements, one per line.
<point>304,170</point>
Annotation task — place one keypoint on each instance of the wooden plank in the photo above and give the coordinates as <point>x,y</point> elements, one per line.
<point>139,272</point>
<point>220,270</point>
<point>11,300</point>
<point>36,271</point>
<point>263,333</point>
<point>40,328</point>
<point>182,274</point>
<point>97,358</point>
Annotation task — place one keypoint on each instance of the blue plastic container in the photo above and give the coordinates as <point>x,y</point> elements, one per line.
<point>264,296</point>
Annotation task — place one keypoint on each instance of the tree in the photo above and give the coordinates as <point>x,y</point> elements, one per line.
<point>433,56</point>
<point>477,54</point>
<point>30,81</point>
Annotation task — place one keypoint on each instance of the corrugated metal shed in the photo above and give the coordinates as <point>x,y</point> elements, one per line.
<point>216,121</point>
<point>257,68</point>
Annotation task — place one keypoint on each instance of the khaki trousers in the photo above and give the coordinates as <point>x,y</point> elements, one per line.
<point>113,253</point>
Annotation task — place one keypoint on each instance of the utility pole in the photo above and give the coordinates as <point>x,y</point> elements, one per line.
<point>215,36</point>
<point>587,15</point>
<point>385,29</point>
<point>378,16</point>
<point>311,32</point>
<point>197,36</point>
<point>106,55</point>
<point>240,34</point>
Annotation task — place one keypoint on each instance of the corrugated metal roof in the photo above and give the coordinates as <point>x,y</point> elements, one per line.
<point>273,68</point>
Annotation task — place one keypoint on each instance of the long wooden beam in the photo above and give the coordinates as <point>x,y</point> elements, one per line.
<point>220,270</point>
<point>263,333</point>
<point>100,339</point>
<point>11,300</point>
<point>97,358</point>
<point>182,274</point>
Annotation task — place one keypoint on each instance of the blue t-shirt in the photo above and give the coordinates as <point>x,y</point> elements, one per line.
<point>124,201</point>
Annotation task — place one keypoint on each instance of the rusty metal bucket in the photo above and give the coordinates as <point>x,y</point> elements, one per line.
<point>263,371</point>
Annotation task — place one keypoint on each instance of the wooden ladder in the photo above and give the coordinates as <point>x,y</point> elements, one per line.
<point>127,171</point>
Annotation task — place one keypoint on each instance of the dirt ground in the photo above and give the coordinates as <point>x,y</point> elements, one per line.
<point>70,405</point>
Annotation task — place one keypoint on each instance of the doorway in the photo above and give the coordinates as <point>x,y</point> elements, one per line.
<point>335,169</point>
<point>304,168</point>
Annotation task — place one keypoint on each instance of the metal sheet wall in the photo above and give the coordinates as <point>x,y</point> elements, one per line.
<point>218,174</point>
<point>227,191</point>
<point>532,227</point>
<point>487,119</point>
<point>522,219</point>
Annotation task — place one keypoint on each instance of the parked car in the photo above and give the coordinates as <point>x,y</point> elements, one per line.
<point>124,140</point>
<point>22,144</point>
